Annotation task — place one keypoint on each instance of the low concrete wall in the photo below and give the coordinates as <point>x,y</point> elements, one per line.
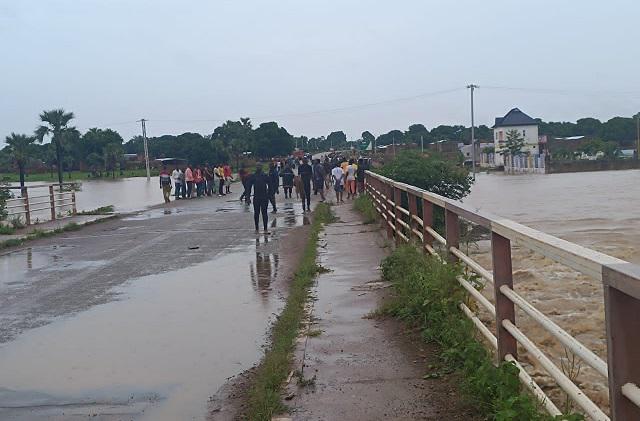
<point>600,165</point>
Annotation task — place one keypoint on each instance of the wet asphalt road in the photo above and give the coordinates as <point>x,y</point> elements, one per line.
<point>141,317</point>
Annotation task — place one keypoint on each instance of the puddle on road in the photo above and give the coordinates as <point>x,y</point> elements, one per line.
<point>156,354</point>
<point>16,266</point>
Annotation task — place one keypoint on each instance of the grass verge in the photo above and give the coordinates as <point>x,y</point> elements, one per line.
<point>427,294</point>
<point>103,210</point>
<point>364,205</point>
<point>264,395</point>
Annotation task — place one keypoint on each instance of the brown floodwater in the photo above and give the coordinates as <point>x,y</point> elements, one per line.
<point>598,210</point>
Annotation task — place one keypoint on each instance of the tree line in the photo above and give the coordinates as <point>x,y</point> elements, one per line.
<point>103,149</point>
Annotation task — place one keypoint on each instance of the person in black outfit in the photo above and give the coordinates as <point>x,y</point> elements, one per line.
<point>287,181</point>
<point>306,173</point>
<point>274,184</point>
<point>261,185</point>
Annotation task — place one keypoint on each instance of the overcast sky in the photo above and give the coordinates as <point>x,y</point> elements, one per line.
<point>189,65</point>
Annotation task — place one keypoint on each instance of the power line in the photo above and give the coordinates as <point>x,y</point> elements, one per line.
<point>561,91</point>
<point>324,111</point>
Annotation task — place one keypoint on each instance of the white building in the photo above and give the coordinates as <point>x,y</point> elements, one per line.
<point>526,126</point>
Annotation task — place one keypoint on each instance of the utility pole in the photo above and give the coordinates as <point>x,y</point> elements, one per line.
<point>394,145</point>
<point>473,138</point>
<point>146,147</point>
<point>638,129</point>
<point>422,143</point>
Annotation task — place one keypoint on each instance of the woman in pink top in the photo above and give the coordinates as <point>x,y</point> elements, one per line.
<point>188,177</point>
<point>198,179</point>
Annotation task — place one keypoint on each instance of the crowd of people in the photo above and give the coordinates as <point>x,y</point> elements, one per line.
<point>300,176</point>
<point>196,181</point>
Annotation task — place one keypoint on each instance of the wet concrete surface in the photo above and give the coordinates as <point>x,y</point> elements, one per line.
<point>139,318</point>
<point>362,368</point>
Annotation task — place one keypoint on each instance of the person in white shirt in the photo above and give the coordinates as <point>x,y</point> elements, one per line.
<point>176,175</point>
<point>350,175</point>
<point>337,175</point>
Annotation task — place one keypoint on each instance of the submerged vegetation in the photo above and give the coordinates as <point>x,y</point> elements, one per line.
<point>264,395</point>
<point>426,295</point>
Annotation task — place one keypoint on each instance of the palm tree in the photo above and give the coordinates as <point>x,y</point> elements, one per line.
<point>19,148</point>
<point>55,125</point>
<point>112,153</point>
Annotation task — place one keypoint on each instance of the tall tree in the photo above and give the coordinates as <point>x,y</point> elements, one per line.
<point>20,146</point>
<point>55,124</point>
<point>337,140</point>
<point>514,144</point>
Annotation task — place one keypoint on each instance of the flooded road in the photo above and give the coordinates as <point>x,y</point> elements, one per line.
<point>142,318</point>
<point>598,210</point>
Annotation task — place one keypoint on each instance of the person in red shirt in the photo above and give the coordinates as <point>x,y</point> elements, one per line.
<point>227,178</point>
<point>243,174</point>
<point>198,179</point>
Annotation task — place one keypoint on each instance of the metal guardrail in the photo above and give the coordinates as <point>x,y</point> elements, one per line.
<point>56,197</point>
<point>621,281</point>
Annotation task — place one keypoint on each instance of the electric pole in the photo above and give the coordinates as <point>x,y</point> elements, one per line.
<point>422,143</point>
<point>473,138</point>
<point>394,145</point>
<point>638,129</point>
<point>146,147</point>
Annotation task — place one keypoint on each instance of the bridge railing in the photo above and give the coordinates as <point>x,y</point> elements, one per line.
<point>49,201</point>
<point>620,279</point>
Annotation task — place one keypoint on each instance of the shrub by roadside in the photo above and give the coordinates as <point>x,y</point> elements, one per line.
<point>264,395</point>
<point>364,205</point>
<point>426,294</point>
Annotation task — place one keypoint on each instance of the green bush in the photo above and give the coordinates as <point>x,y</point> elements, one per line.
<point>430,172</point>
<point>427,294</point>
<point>364,205</point>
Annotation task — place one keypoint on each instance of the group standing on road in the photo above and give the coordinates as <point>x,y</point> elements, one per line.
<point>332,172</point>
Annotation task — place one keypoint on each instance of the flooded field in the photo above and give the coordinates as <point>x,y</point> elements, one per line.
<point>598,210</point>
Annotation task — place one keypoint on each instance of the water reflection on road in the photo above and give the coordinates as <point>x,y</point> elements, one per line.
<point>167,342</point>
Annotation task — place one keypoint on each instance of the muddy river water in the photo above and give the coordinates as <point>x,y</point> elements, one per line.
<point>598,210</point>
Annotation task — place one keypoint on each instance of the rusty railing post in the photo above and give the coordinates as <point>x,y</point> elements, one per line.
<point>413,211</point>
<point>397,201</point>
<point>427,221</point>
<point>389,197</point>
<point>452,233</point>
<point>74,209</point>
<point>27,209</point>
<point>505,309</point>
<point>623,342</point>
<point>52,201</point>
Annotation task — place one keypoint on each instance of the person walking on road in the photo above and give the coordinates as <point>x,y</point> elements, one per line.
<point>188,177</point>
<point>350,175</point>
<point>318,179</point>
<point>261,185</point>
<point>176,175</point>
<point>165,184</point>
<point>274,182</point>
<point>243,175</point>
<point>306,173</point>
<point>219,171</point>
<point>337,175</point>
<point>287,181</point>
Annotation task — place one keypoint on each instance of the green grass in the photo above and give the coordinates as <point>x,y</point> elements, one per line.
<point>364,205</point>
<point>7,230</point>
<point>264,394</point>
<point>103,210</point>
<point>75,175</point>
<point>426,295</point>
